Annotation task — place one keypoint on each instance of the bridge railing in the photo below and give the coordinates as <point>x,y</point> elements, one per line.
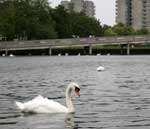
<point>74,41</point>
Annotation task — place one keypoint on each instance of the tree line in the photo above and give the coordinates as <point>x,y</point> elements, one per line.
<point>36,19</point>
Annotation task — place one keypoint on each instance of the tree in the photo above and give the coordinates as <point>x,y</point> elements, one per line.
<point>7,21</point>
<point>121,29</point>
<point>85,26</point>
<point>26,19</point>
<point>142,31</point>
<point>104,28</point>
<point>61,18</point>
<point>70,23</point>
<point>109,32</point>
<point>34,20</point>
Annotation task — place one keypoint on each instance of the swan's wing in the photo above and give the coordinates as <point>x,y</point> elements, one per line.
<point>50,106</point>
<point>43,105</point>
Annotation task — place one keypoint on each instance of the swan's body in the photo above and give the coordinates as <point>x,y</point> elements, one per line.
<point>43,105</point>
<point>100,68</point>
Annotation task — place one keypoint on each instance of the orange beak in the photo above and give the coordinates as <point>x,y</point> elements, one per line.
<point>78,93</point>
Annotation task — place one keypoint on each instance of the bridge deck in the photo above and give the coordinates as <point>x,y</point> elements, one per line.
<point>54,43</point>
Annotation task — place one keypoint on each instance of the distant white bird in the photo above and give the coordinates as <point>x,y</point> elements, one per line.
<point>3,55</point>
<point>100,68</point>
<point>11,55</point>
<point>44,105</point>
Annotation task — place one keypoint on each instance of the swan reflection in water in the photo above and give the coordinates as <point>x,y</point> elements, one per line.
<point>70,122</point>
<point>48,121</point>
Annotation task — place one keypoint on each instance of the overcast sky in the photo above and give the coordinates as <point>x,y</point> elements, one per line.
<point>105,10</point>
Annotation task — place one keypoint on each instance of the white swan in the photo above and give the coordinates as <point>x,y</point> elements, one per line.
<point>43,105</point>
<point>100,68</point>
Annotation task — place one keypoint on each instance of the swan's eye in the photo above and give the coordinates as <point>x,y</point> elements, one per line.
<point>77,89</point>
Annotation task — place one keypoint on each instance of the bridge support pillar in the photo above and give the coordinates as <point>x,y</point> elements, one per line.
<point>128,49</point>
<point>6,52</point>
<point>50,51</point>
<point>90,49</point>
<point>121,49</point>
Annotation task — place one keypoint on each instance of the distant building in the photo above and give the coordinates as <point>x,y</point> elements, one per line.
<point>122,12</point>
<point>65,4</point>
<point>78,5</point>
<point>133,12</point>
<point>87,7</point>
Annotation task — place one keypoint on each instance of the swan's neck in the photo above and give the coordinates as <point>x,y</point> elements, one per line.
<point>69,102</point>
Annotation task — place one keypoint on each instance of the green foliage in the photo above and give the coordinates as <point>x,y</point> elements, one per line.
<point>61,17</point>
<point>34,20</point>
<point>142,31</point>
<point>71,23</point>
<point>84,26</point>
<point>121,29</point>
<point>109,32</point>
<point>7,21</point>
<point>26,19</point>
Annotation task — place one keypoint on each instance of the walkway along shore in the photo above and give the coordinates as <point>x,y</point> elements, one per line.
<point>124,45</point>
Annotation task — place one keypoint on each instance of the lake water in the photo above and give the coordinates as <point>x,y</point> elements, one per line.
<point>117,98</point>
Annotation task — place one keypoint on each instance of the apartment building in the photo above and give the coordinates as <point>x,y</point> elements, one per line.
<point>89,8</point>
<point>133,12</point>
<point>65,4</point>
<point>78,5</point>
<point>85,6</point>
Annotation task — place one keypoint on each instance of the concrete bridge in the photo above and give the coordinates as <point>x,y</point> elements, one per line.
<point>85,42</point>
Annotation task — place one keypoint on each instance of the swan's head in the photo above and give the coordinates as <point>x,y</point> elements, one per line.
<point>74,86</point>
